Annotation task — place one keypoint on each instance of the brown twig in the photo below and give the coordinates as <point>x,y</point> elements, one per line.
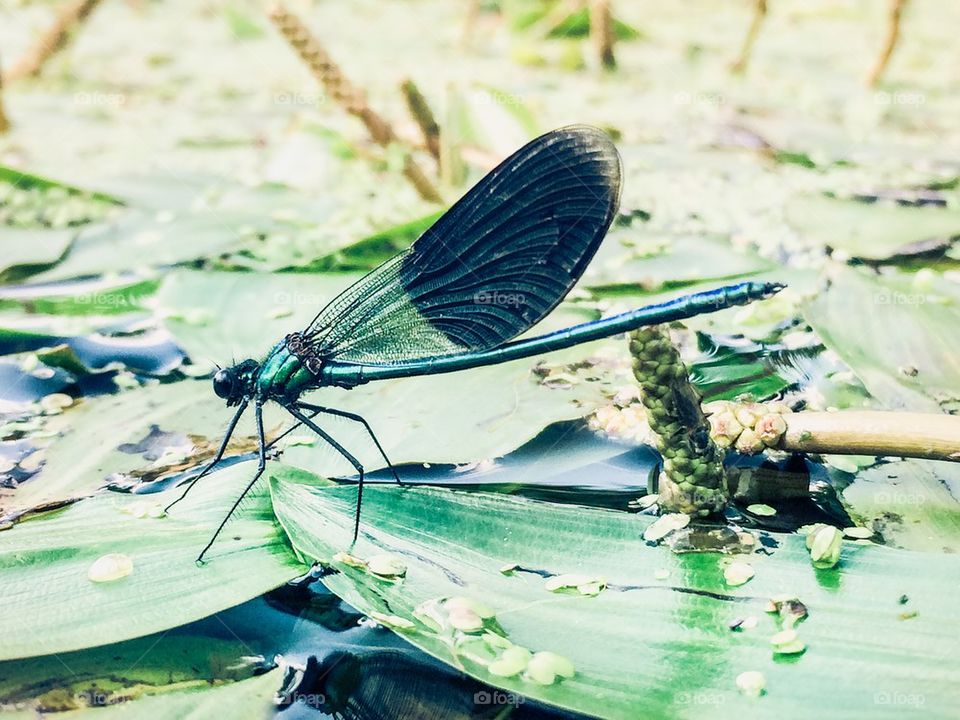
<point>859,432</point>
<point>339,87</point>
<point>53,40</point>
<point>601,32</point>
<point>420,111</point>
<point>759,13</point>
<point>753,427</point>
<point>890,42</point>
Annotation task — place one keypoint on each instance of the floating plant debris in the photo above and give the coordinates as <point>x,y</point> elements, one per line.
<point>110,567</point>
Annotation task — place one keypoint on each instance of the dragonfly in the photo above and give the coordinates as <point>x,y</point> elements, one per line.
<point>489,269</point>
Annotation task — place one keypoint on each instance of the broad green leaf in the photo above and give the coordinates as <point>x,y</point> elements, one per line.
<point>26,180</point>
<point>242,700</point>
<point>643,646</point>
<point>52,606</point>
<point>120,672</point>
<point>25,251</point>
<point>913,504</point>
<point>897,332</point>
<point>874,231</point>
<point>140,240</point>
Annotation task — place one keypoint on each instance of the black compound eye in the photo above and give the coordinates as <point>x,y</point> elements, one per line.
<point>223,384</point>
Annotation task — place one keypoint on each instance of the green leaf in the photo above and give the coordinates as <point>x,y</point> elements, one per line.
<point>874,231</point>
<point>243,700</point>
<point>671,635</point>
<point>897,332</point>
<point>120,672</point>
<point>28,251</point>
<point>26,180</point>
<point>51,606</point>
<point>913,504</point>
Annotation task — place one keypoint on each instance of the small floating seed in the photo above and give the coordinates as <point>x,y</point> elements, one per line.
<point>459,602</point>
<point>350,560</point>
<point>393,621</point>
<point>544,668</point>
<point>509,568</point>
<point>751,683</point>
<point>387,566</point>
<point>761,510</point>
<point>737,573</point>
<point>648,501</point>
<point>108,568</point>
<point>55,403</point>
<point>786,642</point>
<point>495,641</point>
<point>512,661</point>
<point>858,533</point>
<point>665,525</point>
<point>465,619</point>
<point>431,614</point>
<point>825,546</point>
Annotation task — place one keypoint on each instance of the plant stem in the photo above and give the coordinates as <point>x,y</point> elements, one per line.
<point>352,98</point>
<point>53,40</point>
<point>420,111</point>
<point>739,66</point>
<point>601,32</point>
<point>890,42</point>
<point>933,436</point>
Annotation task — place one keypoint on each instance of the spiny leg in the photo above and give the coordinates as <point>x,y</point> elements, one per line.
<point>356,418</point>
<point>219,456</point>
<point>223,447</point>
<point>261,466</point>
<point>292,409</point>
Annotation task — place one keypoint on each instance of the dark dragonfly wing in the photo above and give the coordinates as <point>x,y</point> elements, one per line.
<point>491,267</point>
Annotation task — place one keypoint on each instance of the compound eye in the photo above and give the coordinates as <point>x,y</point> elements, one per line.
<point>223,383</point>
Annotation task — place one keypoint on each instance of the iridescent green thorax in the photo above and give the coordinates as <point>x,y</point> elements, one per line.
<point>283,375</point>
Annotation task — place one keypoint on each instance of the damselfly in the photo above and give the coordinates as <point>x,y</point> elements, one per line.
<point>525,232</point>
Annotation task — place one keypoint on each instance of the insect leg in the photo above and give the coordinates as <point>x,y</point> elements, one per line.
<point>219,456</point>
<point>261,466</point>
<point>355,418</point>
<point>292,409</point>
<point>289,430</point>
